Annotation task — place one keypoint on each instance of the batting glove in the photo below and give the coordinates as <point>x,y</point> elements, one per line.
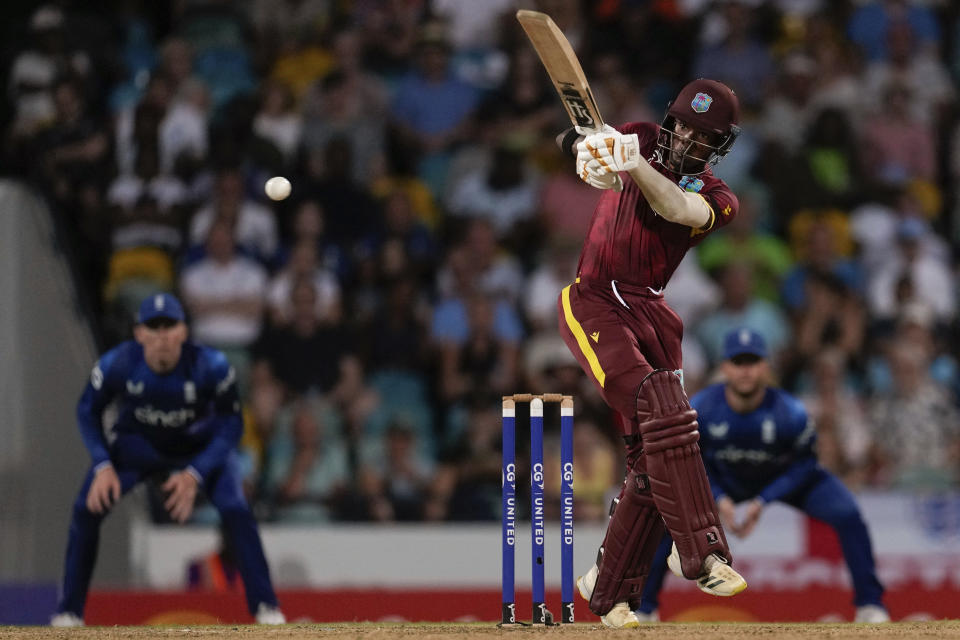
<point>596,175</point>
<point>613,150</point>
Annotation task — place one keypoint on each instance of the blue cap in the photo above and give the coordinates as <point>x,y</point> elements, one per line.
<point>744,341</point>
<point>161,305</point>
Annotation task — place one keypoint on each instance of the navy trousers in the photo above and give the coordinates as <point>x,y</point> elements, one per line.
<point>135,459</point>
<point>826,499</point>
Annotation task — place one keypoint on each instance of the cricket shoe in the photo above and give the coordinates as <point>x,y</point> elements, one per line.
<point>66,619</point>
<point>267,614</point>
<point>718,577</point>
<point>620,617</point>
<point>872,613</point>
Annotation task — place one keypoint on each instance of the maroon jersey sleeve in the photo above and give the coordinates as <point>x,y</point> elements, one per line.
<point>723,206</point>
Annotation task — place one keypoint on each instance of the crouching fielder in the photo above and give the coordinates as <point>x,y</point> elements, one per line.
<point>625,337</point>
<point>178,417</point>
<point>758,446</point>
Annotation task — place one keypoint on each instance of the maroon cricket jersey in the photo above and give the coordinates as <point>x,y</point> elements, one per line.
<point>629,242</point>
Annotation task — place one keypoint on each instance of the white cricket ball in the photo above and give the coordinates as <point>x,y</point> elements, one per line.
<point>277,188</point>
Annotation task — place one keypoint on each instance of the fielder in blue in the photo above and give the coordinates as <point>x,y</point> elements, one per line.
<point>757,444</point>
<point>178,416</point>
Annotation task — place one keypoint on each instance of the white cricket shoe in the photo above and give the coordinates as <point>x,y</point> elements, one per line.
<point>872,614</point>
<point>267,614</point>
<point>66,619</point>
<point>587,582</point>
<point>718,579</point>
<point>620,617</point>
<point>653,616</point>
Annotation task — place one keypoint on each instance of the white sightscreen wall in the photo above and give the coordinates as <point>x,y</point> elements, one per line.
<point>46,351</point>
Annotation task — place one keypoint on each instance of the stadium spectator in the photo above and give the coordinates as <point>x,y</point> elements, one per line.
<point>254,225</point>
<point>433,110</point>
<point>225,294</point>
<point>44,62</point>
<point>739,307</point>
<point>306,467</point>
<point>916,428</point>
<point>304,264</point>
<point>395,475</point>
<point>304,352</point>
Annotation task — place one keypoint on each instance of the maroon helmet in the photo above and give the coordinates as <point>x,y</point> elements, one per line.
<point>706,106</point>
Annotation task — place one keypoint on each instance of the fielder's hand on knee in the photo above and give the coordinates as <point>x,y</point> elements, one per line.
<point>751,516</point>
<point>182,487</point>
<point>614,151</point>
<point>104,490</point>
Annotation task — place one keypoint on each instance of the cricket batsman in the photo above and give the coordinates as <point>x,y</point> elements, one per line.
<point>616,323</point>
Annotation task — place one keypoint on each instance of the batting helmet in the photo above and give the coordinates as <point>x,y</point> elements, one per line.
<point>706,106</point>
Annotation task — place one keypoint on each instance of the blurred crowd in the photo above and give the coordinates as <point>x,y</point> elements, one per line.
<point>377,314</point>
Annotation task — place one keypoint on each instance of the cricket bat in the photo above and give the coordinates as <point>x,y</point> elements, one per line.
<point>564,69</point>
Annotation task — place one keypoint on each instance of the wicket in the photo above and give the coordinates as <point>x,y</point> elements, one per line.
<point>541,616</point>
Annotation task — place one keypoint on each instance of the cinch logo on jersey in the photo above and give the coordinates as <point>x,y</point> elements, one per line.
<point>735,455</point>
<point>159,418</point>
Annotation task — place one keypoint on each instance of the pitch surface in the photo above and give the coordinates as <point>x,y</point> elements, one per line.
<point>437,631</point>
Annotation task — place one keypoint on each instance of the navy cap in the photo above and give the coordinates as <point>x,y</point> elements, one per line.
<point>161,305</point>
<point>744,341</point>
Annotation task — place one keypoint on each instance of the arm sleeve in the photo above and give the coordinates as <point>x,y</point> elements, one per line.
<point>724,206</point>
<point>804,465</point>
<point>96,396</point>
<point>228,422</point>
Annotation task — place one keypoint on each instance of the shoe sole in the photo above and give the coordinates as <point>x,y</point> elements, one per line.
<point>629,625</point>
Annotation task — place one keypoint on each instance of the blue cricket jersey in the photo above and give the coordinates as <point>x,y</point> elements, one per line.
<point>190,415</point>
<point>766,453</point>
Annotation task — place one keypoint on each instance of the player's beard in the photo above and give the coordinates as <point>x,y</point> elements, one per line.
<point>165,360</point>
<point>747,390</point>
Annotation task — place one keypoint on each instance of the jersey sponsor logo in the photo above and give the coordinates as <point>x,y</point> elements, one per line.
<point>809,431</point>
<point>718,430</point>
<point>692,184</point>
<point>96,376</point>
<point>596,336</point>
<point>189,392</point>
<point>701,102</point>
<point>768,430</point>
<point>735,455</point>
<point>160,418</point>
<point>224,384</point>
<point>135,388</point>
